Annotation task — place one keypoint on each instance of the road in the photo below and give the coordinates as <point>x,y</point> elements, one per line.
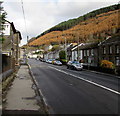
<point>76,92</point>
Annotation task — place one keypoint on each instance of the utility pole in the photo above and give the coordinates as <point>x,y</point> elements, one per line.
<point>65,49</point>
<point>78,47</point>
<point>27,50</point>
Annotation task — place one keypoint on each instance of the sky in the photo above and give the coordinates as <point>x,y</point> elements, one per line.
<point>40,15</point>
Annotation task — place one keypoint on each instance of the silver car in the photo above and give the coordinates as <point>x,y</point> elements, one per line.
<point>57,62</point>
<point>74,65</point>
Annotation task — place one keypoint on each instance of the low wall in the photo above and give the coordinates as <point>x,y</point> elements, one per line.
<point>7,63</point>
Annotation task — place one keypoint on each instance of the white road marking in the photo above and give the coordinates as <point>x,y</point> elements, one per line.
<point>91,82</point>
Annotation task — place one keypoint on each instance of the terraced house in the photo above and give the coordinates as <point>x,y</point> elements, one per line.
<point>93,53</point>
<point>110,50</point>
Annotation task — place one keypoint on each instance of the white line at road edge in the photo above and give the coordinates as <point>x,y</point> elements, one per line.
<point>91,82</point>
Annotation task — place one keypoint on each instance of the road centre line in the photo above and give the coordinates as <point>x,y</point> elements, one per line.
<point>91,82</point>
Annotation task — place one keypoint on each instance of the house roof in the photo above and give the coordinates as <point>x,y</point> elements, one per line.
<point>77,46</point>
<point>71,46</point>
<point>14,30</point>
<point>13,27</point>
<point>112,39</point>
<point>86,46</point>
<point>89,45</point>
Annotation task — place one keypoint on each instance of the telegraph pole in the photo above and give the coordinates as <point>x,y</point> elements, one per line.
<point>27,50</point>
<point>78,48</point>
<point>65,49</point>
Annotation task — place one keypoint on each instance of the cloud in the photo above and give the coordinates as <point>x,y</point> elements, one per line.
<point>41,15</point>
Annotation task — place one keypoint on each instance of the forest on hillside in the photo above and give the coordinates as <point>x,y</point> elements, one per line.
<point>89,30</point>
<point>72,22</point>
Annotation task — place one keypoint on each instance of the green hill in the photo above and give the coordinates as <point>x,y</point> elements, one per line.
<point>72,22</point>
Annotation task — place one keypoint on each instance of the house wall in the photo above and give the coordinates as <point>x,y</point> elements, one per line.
<point>45,56</point>
<point>7,63</point>
<point>50,56</point>
<point>110,52</point>
<point>75,55</point>
<point>56,55</point>
<point>11,44</point>
<point>48,47</point>
<point>90,56</point>
<point>22,51</point>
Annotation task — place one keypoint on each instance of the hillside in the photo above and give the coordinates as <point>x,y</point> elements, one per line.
<point>72,22</point>
<point>92,29</point>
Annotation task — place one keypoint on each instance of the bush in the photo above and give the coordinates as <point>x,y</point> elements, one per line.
<point>107,64</point>
<point>62,54</point>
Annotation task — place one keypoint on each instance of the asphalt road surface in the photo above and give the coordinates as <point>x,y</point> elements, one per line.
<point>76,92</point>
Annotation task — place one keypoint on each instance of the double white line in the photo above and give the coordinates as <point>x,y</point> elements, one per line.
<point>91,82</point>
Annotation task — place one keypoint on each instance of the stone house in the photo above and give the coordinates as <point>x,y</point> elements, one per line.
<point>110,49</point>
<point>11,43</point>
<point>90,54</point>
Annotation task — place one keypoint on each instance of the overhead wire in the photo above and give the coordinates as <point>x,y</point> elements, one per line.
<point>24,19</point>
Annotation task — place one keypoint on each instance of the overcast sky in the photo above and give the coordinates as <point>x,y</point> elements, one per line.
<point>41,15</point>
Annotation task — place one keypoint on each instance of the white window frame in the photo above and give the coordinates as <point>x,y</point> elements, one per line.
<point>84,52</point>
<point>110,49</point>
<point>92,52</point>
<point>117,49</point>
<point>88,52</point>
<point>104,50</point>
<point>117,60</point>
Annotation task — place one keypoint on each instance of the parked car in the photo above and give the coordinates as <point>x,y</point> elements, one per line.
<point>74,65</point>
<point>50,60</point>
<point>46,60</point>
<point>41,59</point>
<point>57,62</point>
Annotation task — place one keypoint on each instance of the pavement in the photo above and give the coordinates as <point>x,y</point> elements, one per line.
<point>21,96</point>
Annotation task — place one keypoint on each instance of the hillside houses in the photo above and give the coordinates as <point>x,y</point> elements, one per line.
<point>90,54</point>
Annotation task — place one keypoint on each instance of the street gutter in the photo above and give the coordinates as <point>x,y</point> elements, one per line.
<point>43,101</point>
<point>101,73</point>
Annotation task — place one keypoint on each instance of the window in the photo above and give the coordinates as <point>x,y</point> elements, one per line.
<point>84,52</point>
<point>92,53</point>
<point>117,60</point>
<point>117,49</point>
<point>87,52</point>
<point>104,50</point>
<point>110,49</point>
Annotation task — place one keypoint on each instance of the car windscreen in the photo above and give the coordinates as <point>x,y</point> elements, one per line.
<point>75,62</point>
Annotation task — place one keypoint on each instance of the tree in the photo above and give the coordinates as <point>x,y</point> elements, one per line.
<point>2,21</point>
<point>55,47</point>
<point>62,54</point>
